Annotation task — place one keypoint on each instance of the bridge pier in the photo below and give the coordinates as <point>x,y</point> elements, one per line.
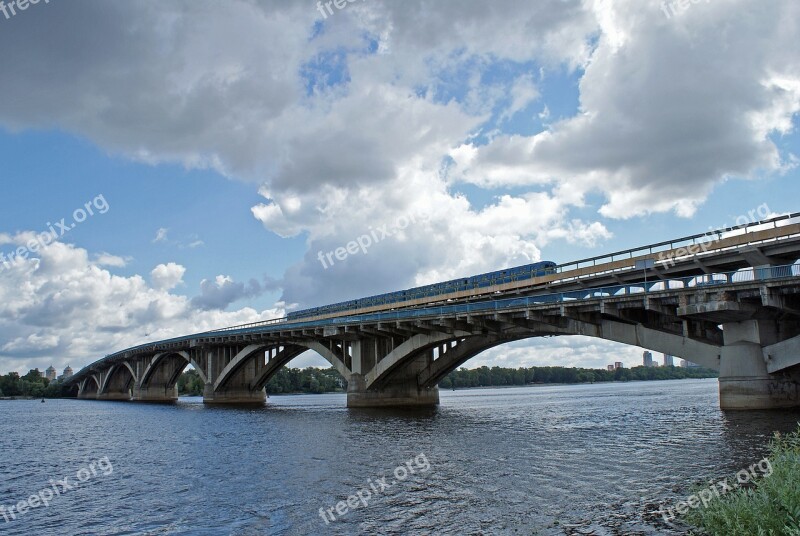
<point>402,393</point>
<point>156,393</point>
<point>230,373</point>
<point>401,389</point>
<point>234,394</point>
<point>157,379</point>
<point>745,382</point>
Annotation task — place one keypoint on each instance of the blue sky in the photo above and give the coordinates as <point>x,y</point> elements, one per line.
<point>229,159</point>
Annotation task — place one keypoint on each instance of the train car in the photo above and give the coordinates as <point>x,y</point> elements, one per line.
<point>518,273</point>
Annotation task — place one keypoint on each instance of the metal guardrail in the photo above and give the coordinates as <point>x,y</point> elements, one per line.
<point>708,280</point>
<point>686,241</point>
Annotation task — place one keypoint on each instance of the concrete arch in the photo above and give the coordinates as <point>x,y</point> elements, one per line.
<point>96,380</point>
<point>456,356</point>
<point>90,380</point>
<point>275,364</point>
<point>469,346</point>
<point>703,353</point>
<point>111,375</point>
<point>236,363</point>
<point>243,379</point>
<point>130,369</point>
<point>159,358</point>
<point>335,360</point>
<point>410,348</point>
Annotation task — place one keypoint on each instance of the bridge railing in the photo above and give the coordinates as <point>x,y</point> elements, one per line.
<point>685,242</point>
<point>724,278</point>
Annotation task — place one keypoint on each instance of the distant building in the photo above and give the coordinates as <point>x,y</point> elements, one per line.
<point>51,373</point>
<point>669,360</point>
<point>689,364</point>
<point>618,364</point>
<point>647,359</point>
<point>683,363</point>
<point>611,368</point>
<point>67,374</point>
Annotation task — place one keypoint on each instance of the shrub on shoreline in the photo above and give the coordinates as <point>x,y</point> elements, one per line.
<point>770,508</point>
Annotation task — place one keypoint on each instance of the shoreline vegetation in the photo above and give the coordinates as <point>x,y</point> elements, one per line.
<point>770,506</point>
<point>318,381</point>
<point>30,386</point>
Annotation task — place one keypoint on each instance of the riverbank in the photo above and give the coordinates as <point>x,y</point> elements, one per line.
<point>763,501</point>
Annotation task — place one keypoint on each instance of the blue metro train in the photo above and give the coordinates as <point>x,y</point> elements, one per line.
<point>520,273</point>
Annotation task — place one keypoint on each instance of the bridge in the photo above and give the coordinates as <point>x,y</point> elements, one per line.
<point>728,300</point>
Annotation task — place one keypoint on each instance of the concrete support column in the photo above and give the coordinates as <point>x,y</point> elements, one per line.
<point>155,393</point>
<point>402,390</point>
<point>157,387</point>
<point>87,390</point>
<point>237,389</point>
<point>744,382</point>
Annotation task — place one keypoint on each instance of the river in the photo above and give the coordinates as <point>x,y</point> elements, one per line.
<point>551,460</point>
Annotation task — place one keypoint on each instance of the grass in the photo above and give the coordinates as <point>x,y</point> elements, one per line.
<point>771,507</point>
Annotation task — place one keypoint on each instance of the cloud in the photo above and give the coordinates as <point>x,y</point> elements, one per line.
<point>46,304</point>
<point>223,291</point>
<point>167,276</point>
<point>106,259</point>
<point>161,235</point>
<point>668,110</point>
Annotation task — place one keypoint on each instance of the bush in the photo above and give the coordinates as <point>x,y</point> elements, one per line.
<point>771,508</point>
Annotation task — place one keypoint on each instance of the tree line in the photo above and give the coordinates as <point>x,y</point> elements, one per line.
<point>313,380</point>
<point>30,385</point>
<point>317,381</point>
<point>285,381</point>
<point>498,377</point>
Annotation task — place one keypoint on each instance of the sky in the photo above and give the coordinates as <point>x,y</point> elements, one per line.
<point>200,162</point>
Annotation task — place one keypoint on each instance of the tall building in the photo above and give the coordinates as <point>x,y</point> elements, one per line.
<point>611,368</point>
<point>683,363</point>
<point>618,364</point>
<point>67,373</point>
<point>647,359</point>
<point>51,373</point>
<point>668,360</point>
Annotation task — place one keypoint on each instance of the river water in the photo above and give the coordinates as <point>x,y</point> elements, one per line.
<point>585,459</point>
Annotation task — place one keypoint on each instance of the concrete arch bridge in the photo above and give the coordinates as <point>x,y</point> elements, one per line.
<point>743,321</point>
